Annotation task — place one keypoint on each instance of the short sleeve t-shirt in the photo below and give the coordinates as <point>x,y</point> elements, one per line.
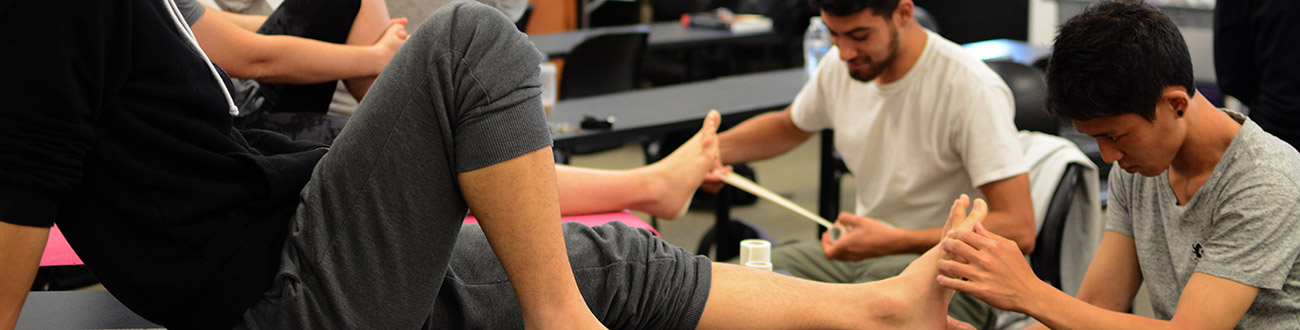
<point>1242,225</point>
<point>913,145</point>
<point>191,10</point>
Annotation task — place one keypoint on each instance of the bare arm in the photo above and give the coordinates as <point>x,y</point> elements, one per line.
<point>1010,214</point>
<point>247,22</point>
<point>518,206</point>
<point>999,275</point>
<point>288,59</point>
<point>22,246</point>
<point>762,137</point>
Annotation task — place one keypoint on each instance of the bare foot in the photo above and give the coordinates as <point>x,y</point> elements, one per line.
<point>676,177</point>
<point>913,299</point>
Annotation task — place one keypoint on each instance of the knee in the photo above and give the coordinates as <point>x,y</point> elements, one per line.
<point>476,33</point>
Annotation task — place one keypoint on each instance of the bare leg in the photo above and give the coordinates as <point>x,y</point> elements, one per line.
<point>662,189</point>
<point>371,22</point>
<point>742,298</point>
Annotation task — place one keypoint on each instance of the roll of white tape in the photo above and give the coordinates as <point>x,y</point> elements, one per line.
<point>755,250</point>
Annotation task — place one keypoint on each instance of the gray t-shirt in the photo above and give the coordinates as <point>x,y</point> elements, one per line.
<point>1242,225</point>
<point>191,10</point>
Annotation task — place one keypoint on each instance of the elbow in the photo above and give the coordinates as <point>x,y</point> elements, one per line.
<point>1025,234</point>
<point>1026,243</point>
<point>249,67</point>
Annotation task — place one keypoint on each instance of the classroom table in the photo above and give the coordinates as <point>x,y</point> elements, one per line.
<point>662,35</point>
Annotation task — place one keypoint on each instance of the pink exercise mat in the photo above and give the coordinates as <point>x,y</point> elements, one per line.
<point>58,253</point>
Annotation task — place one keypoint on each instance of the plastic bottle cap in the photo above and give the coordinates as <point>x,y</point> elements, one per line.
<point>762,265</point>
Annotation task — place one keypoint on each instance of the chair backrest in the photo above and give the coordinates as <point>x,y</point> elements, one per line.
<point>603,64</point>
<point>926,20</point>
<point>522,23</point>
<point>1029,89</point>
<point>613,12</point>
<point>1046,258</point>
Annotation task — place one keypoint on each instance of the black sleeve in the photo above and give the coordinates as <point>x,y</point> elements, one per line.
<point>1276,30</point>
<point>53,83</point>
<point>1234,50</point>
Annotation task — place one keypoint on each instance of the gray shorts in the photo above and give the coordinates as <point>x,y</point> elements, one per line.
<point>377,241</point>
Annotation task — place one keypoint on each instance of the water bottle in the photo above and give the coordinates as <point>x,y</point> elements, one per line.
<point>816,42</point>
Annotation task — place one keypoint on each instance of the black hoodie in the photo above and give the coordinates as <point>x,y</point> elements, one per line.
<point>113,126</point>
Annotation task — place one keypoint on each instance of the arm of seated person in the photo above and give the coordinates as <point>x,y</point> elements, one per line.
<point>997,274</point>
<point>247,22</point>
<point>22,247</point>
<point>1010,214</point>
<point>289,59</point>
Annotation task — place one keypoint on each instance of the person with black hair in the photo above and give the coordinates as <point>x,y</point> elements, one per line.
<point>1202,200</point>
<point>917,120</point>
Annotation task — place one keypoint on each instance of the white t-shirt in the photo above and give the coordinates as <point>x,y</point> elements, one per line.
<point>913,145</point>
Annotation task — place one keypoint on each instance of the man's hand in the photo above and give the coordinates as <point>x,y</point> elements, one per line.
<point>869,238</point>
<point>713,180</point>
<point>995,271</point>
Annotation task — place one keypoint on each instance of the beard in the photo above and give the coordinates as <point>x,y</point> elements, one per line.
<point>874,68</point>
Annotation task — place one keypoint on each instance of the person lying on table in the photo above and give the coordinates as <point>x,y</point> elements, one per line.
<point>124,138</point>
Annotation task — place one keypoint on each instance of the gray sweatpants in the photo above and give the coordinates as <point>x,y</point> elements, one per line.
<point>377,240</point>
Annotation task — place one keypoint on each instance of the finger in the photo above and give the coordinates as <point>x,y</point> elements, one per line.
<point>972,239</point>
<point>956,248</point>
<point>720,172</point>
<point>954,324</point>
<point>829,248</point>
<point>955,283</point>
<point>849,219</point>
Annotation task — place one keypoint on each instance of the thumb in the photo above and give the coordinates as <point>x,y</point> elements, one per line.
<point>850,219</point>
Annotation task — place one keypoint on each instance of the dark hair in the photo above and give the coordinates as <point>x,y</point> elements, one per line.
<point>884,8</point>
<point>1116,57</point>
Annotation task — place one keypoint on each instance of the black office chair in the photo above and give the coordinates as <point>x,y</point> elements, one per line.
<point>1029,89</point>
<point>1046,258</point>
<point>614,12</point>
<point>603,64</point>
<point>926,20</point>
<point>522,23</point>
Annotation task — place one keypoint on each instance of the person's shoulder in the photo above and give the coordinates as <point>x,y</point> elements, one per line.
<point>1263,160</point>
<point>956,63</point>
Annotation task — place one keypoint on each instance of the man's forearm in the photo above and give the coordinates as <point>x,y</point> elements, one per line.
<point>1058,310</point>
<point>762,137</point>
<point>918,241</point>
<point>22,247</point>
